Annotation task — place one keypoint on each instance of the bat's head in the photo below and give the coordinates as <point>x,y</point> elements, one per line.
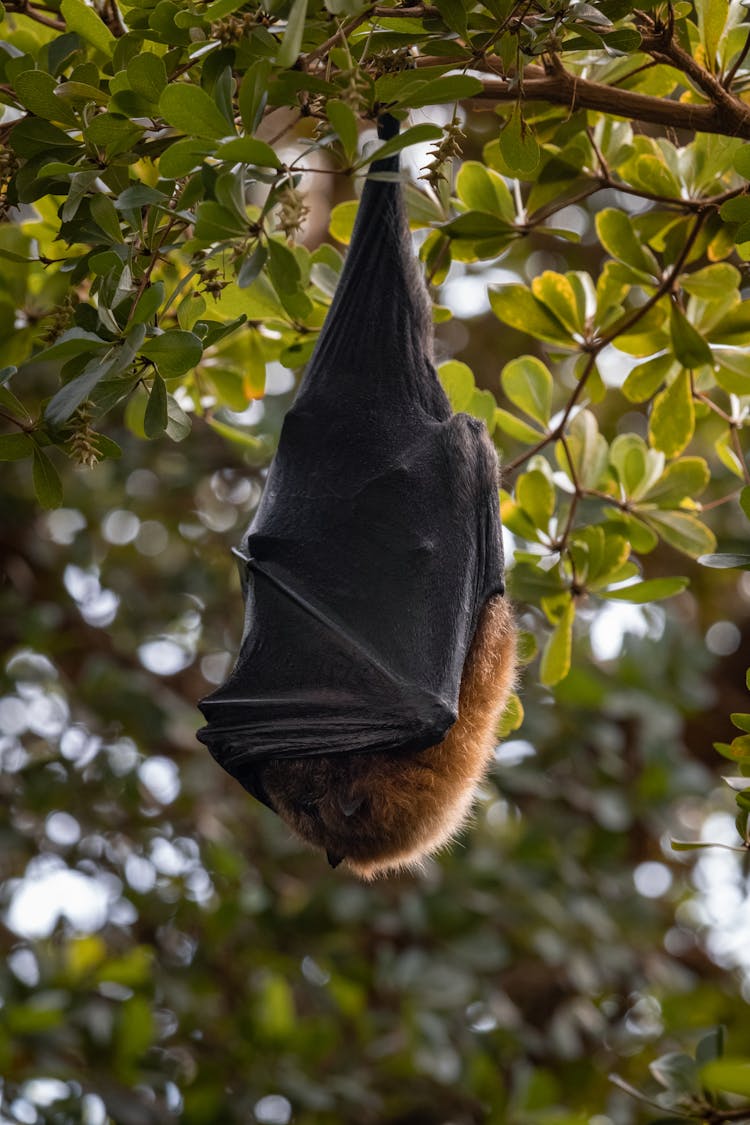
<point>376,812</point>
<point>381,812</point>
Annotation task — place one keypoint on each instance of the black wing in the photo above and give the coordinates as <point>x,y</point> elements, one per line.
<point>377,540</point>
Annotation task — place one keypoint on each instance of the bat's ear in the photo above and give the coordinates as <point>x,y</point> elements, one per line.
<point>333,859</point>
<point>351,805</point>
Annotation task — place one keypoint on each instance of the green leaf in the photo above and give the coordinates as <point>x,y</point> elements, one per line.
<point>516,306</point>
<point>676,1071</point>
<point>726,561</point>
<point>341,222</point>
<point>683,531</point>
<point>458,383</point>
<point>689,346</point>
<point>712,20</point>
<point>740,719</point>
<point>67,400</point>
<point>476,225</point>
<point>651,174</point>
<point>249,150</point>
<point>104,214</point>
<point>556,656</point>
<point>588,449</point>
<point>732,1076</point>
<point>454,15</point>
<point>191,110</point>
<point>690,846</point>
<point>482,189</point>
<point>450,88</point>
<point>416,135</point>
<point>14,447</point>
<point>36,91</point>
<point>710,1047</point>
<point>619,238</point>
<point>637,467</point>
<point>644,380</point>
<point>174,352</point>
<point>178,422</point>
<point>79,17</point>
<point>528,384</point>
<point>536,495</point>
<point>147,75</point>
<point>712,283</point>
<point>518,145</point>
<point>139,195</point>
<point>516,428</point>
<point>254,94</point>
<point>148,303</point>
<point>731,751</point>
<point>47,483</point>
<point>247,441</point>
<point>512,717</point>
<point>183,157</point>
<point>652,590</point>
<point>155,417</point>
<point>292,41</point>
<point>251,265</point>
<point>484,407</point>
<point>672,421</point>
<point>283,267</point>
<point>685,479</point>
<point>216,223</point>
<point>556,291</point>
<point>344,123</point>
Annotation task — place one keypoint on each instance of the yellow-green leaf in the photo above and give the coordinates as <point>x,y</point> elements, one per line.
<point>555,663</point>
<point>672,420</point>
<point>516,306</point>
<point>482,189</point>
<point>689,346</point>
<point>458,383</point>
<point>729,1075</point>
<point>528,384</point>
<point>341,222</point>
<point>556,292</point>
<point>619,238</point>
<point>683,531</point>
<point>536,496</point>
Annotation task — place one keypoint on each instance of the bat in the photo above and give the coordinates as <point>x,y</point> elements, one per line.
<point>378,649</point>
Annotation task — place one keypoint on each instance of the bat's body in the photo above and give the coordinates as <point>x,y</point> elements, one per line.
<point>385,811</point>
<point>378,650</point>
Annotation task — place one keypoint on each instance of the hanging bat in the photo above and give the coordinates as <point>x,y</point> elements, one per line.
<point>378,649</point>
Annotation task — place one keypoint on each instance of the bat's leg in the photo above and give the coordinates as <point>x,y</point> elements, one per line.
<point>381,812</point>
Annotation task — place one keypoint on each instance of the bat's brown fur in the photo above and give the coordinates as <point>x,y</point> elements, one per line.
<point>380,812</point>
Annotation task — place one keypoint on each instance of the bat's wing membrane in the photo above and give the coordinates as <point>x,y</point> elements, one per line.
<point>377,540</point>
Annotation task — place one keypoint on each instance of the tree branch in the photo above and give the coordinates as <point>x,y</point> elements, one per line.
<point>23,8</point>
<point>562,88</point>
<point>664,49</point>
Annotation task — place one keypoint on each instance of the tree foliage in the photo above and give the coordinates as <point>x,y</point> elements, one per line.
<point>163,169</point>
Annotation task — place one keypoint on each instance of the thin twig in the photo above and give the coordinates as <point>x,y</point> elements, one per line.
<point>23,8</point>
<point>341,33</point>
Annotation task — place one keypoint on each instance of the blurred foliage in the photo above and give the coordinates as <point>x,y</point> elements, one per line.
<point>168,175</point>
